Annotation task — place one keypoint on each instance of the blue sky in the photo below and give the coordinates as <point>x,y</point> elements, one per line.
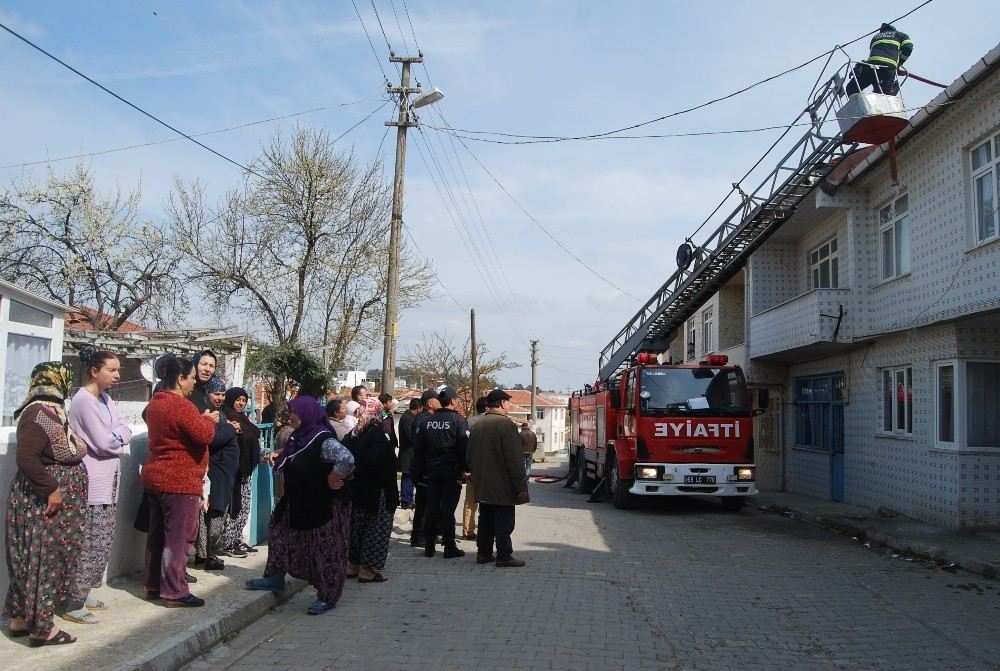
<point>540,68</point>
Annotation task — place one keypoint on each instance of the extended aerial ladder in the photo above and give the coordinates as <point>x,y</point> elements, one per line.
<point>703,269</point>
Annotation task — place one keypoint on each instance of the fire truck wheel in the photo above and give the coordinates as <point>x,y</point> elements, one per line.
<point>619,487</point>
<point>586,482</point>
<point>734,503</point>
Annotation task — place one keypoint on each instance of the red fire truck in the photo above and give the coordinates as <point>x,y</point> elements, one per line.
<point>666,430</point>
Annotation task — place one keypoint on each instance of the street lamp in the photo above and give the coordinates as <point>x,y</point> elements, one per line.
<point>396,222</point>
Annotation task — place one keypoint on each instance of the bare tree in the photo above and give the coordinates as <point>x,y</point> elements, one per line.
<point>438,360</point>
<point>300,248</point>
<point>92,252</point>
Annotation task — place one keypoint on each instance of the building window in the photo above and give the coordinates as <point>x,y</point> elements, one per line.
<point>540,413</point>
<point>23,354</point>
<point>982,383</point>
<point>25,314</point>
<point>985,185</point>
<point>897,400</point>
<point>819,412</point>
<point>894,237</point>
<point>946,403</point>
<point>823,262</point>
<point>708,331</point>
<point>967,414</point>
<point>692,338</point>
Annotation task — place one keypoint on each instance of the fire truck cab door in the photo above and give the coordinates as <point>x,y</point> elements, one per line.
<point>601,429</point>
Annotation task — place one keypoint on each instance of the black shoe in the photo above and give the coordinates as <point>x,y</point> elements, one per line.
<point>452,552</point>
<point>188,578</point>
<point>212,564</point>
<point>417,541</point>
<point>429,551</point>
<point>151,596</point>
<point>247,548</point>
<point>189,601</point>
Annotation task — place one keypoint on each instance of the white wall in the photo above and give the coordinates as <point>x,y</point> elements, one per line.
<point>127,553</point>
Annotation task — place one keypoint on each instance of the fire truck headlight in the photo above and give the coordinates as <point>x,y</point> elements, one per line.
<point>744,473</point>
<point>647,473</point>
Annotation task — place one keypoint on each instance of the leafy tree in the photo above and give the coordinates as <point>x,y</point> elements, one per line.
<point>91,251</point>
<point>279,364</point>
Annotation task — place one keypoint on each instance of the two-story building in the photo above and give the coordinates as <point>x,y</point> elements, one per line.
<point>872,317</point>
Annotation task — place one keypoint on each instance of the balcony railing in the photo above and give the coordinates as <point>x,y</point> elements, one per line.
<point>811,323</point>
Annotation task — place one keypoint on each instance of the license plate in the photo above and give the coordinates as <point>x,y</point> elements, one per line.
<point>699,479</point>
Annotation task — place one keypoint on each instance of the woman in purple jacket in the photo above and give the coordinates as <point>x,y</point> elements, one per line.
<point>99,426</point>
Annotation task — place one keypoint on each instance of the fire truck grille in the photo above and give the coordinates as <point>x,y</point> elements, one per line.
<point>699,449</point>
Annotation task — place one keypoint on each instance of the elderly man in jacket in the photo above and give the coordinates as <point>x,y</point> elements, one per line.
<point>497,466</point>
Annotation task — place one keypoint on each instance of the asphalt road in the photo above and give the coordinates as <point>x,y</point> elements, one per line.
<point>673,585</point>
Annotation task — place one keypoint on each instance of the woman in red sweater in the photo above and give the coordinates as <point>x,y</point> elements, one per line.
<point>173,478</point>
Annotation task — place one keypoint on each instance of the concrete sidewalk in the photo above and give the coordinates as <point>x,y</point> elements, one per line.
<point>139,634</point>
<point>978,552</point>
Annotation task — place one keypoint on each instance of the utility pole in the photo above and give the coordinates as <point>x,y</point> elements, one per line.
<point>534,363</point>
<point>396,223</point>
<point>475,360</point>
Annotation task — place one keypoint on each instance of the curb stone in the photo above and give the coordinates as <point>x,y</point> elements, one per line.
<point>183,648</point>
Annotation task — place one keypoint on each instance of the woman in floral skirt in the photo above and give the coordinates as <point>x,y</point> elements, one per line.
<point>46,509</point>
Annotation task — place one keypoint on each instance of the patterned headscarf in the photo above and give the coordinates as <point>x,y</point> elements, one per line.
<point>215,384</point>
<point>372,413</point>
<point>50,385</point>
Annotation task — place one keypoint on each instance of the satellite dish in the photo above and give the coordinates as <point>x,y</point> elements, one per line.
<point>685,253</point>
<point>146,369</point>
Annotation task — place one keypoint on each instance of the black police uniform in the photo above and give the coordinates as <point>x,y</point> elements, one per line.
<point>440,442</point>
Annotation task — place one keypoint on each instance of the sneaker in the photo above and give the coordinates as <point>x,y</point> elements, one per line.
<point>452,552</point>
<point>484,559</point>
<point>247,548</point>
<point>510,563</point>
<point>189,601</point>
<point>234,551</point>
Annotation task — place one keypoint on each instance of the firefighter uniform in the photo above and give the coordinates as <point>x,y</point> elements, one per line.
<point>888,50</point>
<point>440,442</point>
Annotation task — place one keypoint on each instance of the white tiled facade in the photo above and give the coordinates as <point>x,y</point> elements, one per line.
<point>943,312</point>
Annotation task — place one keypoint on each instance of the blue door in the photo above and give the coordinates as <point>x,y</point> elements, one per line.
<point>837,451</point>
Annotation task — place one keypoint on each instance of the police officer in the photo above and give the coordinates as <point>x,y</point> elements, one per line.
<point>418,467</point>
<point>888,50</point>
<point>440,442</point>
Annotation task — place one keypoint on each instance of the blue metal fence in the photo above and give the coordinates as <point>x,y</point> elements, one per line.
<point>262,489</point>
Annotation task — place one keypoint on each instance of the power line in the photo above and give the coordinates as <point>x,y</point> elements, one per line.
<point>178,139</point>
<point>129,103</point>
<point>370,43</point>
<point>379,19</point>
<point>592,136</point>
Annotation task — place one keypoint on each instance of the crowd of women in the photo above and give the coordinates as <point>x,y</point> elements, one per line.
<point>337,468</point>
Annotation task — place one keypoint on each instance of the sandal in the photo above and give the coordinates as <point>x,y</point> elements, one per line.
<point>62,638</point>
<point>96,606</point>
<point>318,607</point>
<point>350,575</point>
<point>81,616</point>
<point>18,633</point>
<point>378,577</point>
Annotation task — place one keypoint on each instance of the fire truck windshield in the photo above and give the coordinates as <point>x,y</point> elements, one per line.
<point>693,391</point>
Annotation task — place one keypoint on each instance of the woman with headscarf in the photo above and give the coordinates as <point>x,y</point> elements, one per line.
<point>223,464</point>
<point>373,493</point>
<point>309,530</point>
<point>336,412</point>
<point>205,363</point>
<point>173,478</point>
<point>46,509</point>
<point>249,443</point>
<point>100,429</point>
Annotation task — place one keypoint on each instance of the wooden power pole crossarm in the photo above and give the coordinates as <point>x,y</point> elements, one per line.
<point>403,122</point>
